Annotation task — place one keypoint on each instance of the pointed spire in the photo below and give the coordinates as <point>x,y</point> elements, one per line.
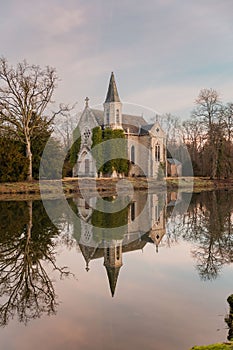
<point>87,266</point>
<point>113,273</point>
<point>88,253</point>
<point>112,94</point>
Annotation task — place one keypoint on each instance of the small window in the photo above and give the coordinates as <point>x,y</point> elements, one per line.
<point>157,153</point>
<point>86,134</point>
<point>117,116</point>
<point>108,254</point>
<point>87,236</point>
<point>87,166</point>
<point>132,154</point>
<point>118,252</point>
<point>156,213</point>
<point>107,118</point>
<point>132,211</point>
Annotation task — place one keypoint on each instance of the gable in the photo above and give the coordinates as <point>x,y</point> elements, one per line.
<point>157,131</point>
<point>87,119</point>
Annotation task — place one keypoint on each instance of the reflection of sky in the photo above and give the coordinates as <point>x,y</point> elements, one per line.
<point>159,303</point>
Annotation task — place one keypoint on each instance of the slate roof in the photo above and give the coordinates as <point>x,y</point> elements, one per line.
<point>112,94</point>
<point>132,123</point>
<point>133,119</point>
<point>99,116</point>
<point>145,129</point>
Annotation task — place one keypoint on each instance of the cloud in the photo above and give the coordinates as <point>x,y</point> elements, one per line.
<point>162,51</point>
<point>57,20</point>
<point>179,99</point>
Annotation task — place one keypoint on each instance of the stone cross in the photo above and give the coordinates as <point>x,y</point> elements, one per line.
<point>86,101</point>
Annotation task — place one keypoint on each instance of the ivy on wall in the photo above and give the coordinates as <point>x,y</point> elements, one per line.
<point>116,152</point>
<point>102,221</point>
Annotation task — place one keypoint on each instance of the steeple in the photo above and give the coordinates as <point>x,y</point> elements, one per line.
<point>113,262</point>
<point>113,273</point>
<point>112,94</point>
<point>113,106</point>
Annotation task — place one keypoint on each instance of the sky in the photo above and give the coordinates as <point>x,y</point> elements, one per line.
<point>161,51</point>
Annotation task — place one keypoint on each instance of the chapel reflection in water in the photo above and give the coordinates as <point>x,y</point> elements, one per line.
<point>159,219</point>
<point>110,235</point>
<point>28,240</point>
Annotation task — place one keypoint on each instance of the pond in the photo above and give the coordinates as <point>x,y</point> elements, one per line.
<point>147,271</point>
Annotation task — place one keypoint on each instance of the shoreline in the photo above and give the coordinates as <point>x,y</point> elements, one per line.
<point>109,186</point>
<point>216,346</point>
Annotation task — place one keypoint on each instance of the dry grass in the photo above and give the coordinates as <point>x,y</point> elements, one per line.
<point>108,185</point>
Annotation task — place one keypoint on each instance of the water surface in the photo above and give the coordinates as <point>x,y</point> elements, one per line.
<point>155,275</point>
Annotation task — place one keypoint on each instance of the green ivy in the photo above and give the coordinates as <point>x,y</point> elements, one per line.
<point>116,152</point>
<point>103,221</point>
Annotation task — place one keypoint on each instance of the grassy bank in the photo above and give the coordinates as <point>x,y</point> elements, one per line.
<point>219,346</point>
<point>107,185</point>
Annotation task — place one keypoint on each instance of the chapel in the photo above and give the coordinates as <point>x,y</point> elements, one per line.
<point>146,143</point>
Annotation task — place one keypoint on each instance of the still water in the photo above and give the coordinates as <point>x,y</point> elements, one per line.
<point>154,272</point>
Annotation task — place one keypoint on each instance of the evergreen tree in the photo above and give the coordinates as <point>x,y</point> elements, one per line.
<point>13,163</point>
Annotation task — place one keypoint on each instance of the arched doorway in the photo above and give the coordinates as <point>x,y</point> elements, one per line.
<point>87,166</point>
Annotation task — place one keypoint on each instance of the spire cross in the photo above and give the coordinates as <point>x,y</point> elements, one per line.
<point>86,101</point>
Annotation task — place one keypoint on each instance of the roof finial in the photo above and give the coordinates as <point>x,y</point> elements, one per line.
<point>86,101</point>
<point>87,267</point>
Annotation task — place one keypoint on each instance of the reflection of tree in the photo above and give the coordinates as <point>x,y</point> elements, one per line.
<point>208,225</point>
<point>26,243</point>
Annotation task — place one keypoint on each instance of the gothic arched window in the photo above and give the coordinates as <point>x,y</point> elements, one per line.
<point>117,116</point>
<point>132,211</point>
<point>108,253</point>
<point>118,252</point>
<point>157,152</point>
<point>87,166</point>
<point>107,118</point>
<point>132,156</point>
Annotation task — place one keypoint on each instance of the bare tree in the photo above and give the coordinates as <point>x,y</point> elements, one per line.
<point>209,112</point>
<point>25,93</point>
<point>228,120</point>
<point>64,127</point>
<point>208,106</point>
<point>194,138</point>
